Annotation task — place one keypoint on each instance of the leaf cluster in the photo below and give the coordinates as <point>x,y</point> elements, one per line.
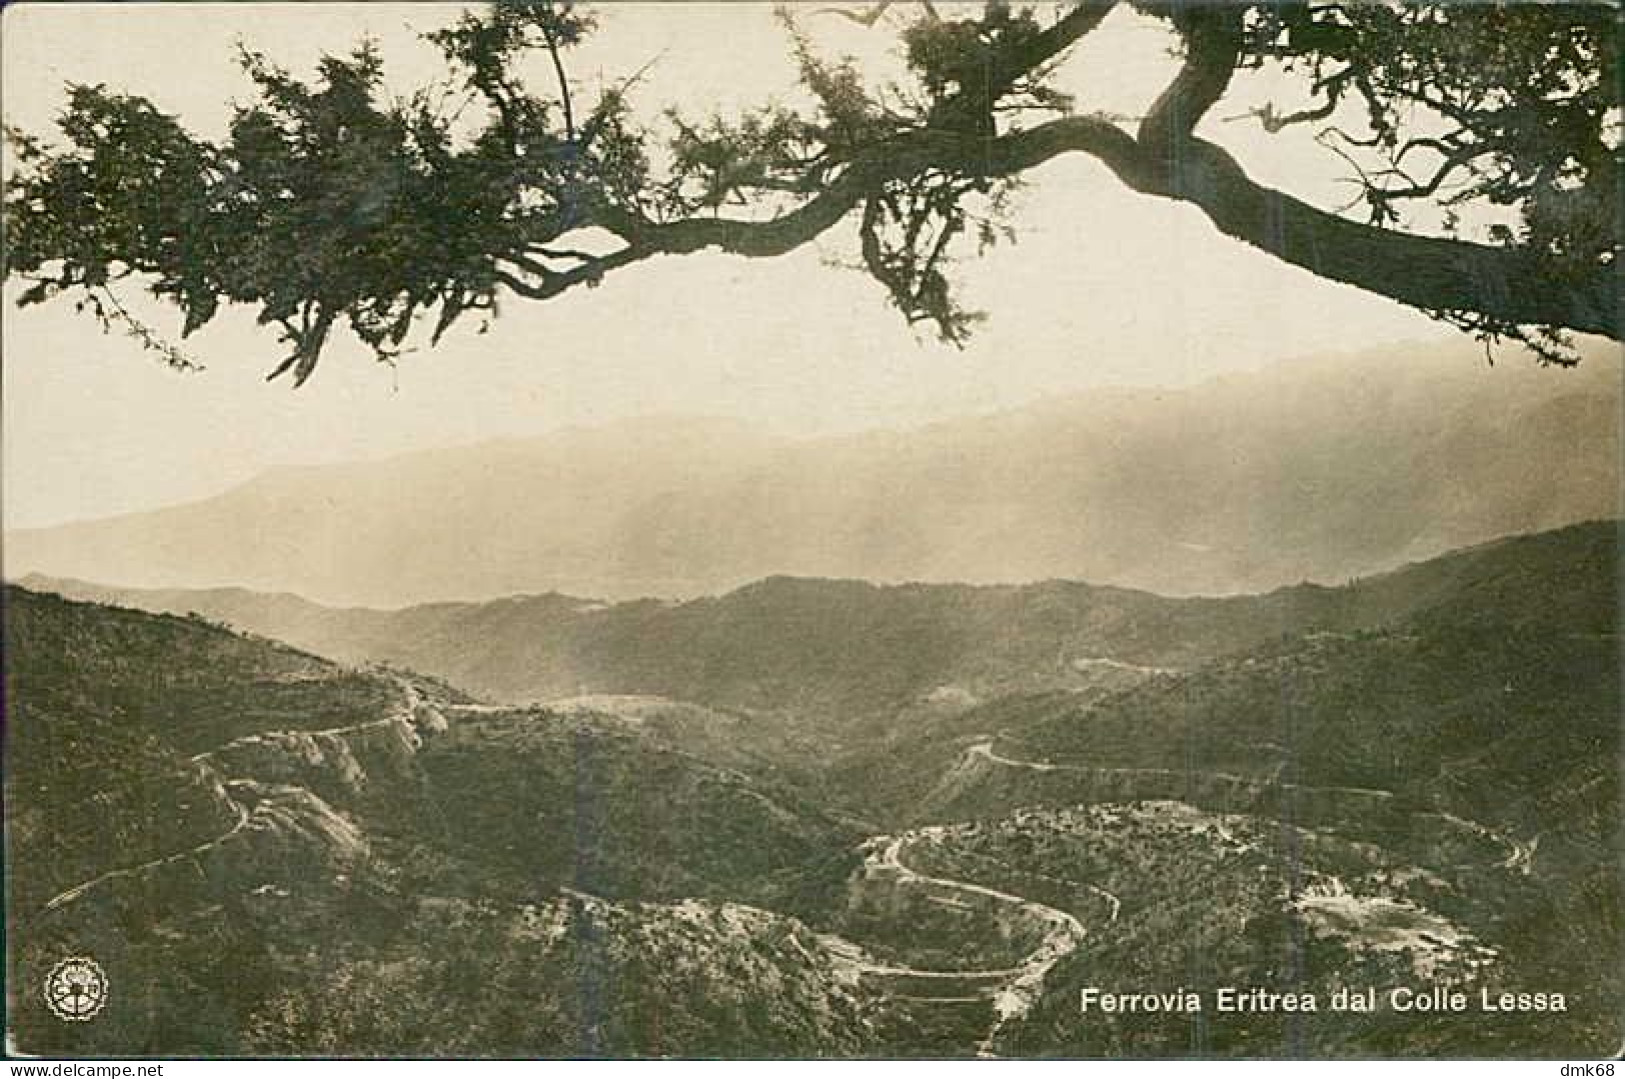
<point>1507,108</point>
<point>327,200</point>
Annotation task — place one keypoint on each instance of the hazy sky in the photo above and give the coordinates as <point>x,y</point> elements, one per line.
<point>1104,287</point>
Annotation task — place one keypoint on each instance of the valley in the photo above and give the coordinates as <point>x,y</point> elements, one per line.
<point>823,818</point>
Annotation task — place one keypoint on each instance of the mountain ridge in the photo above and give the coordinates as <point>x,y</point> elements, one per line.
<point>1401,778</point>
<point>1309,472</point>
<point>822,657</point>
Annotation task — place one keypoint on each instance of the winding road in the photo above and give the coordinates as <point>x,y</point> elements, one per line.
<point>403,713</point>
<point>1517,855</point>
<point>64,898</point>
<point>1013,990</point>
<point>984,749</point>
<point>1018,986</point>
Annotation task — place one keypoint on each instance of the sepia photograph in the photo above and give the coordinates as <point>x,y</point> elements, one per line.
<point>824,531</point>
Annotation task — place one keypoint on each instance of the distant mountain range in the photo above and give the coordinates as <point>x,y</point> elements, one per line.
<point>1319,470</point>
<point>829,657</point>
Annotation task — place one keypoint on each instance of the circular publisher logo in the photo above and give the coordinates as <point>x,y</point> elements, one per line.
<point>76,989</point>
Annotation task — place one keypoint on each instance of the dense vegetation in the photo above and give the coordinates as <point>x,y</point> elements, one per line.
<point>350,851</point>
<point>1411,779</point>
<point>329,203</point>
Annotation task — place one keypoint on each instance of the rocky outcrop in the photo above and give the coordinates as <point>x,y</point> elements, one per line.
<point>282,806</point>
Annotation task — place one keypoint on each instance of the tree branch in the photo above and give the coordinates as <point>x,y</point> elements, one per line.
<point>1212,36</point>
<point>552,41</point>
<point>1429,273</point>
<point>1067,31</point>
<point>872,16</point>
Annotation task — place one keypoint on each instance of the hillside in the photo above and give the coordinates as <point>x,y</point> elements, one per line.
<point>1313,470</point>
<point>257,845</point>
<point>836,661</point>
<point>828,818</point>
<point>1472,743</point>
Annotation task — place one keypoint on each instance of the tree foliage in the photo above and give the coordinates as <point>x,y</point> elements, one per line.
<point>330,202</point>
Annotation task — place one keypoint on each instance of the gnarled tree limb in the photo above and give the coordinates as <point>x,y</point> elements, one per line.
<point>1429,273</point>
